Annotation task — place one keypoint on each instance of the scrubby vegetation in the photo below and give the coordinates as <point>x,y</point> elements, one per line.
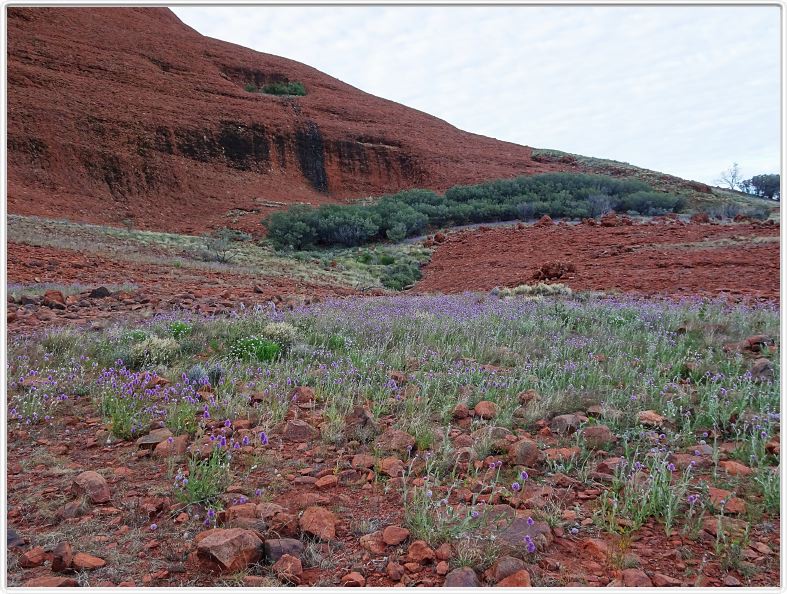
<point>284,88</point>
<point>397,270</point>
<point>767,185</point>
<point>225,250</point>
<point>730,210</point>
<point>221,245</point>
<point>278,88</point>
<point>651,417</point>
<point>412,212</point>
<point>534,291</point>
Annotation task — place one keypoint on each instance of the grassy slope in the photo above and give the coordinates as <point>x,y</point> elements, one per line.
<point>185,251</point>
<point>698,199</point>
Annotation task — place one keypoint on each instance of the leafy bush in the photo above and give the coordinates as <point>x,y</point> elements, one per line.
<point>153,350</point>
<point>197,374</point>
<point>396,271</point>
<point>255,348</point>
<point>760,213</point>
<point>285,88</point>
<point>651,203</point>
<point>128,400</point>
<point>215,374</point>
<point>179,329</point>
<point>281,333</point>
<point>294,229</point>
<point>401,275</point>
<point>250,88</point>
<point>412,212</point>
<point>136,335</point>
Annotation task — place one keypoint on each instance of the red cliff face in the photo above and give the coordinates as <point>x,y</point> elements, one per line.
<point>127,114</point>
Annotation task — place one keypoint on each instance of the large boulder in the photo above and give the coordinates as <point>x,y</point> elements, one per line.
<point>319,522</point>
<point>62,556</point>
<point>229,550</point>
<point>504,567</point>
<point>395,535</point>
<point>152,439</point>
<point>395,440</point>
<point>93,485</point>
<point>762,370</point>
<point>520,579</point>
<point>85,562</point>
<point>511,538</point>
<point>297,430</point>
<point>486,409</point>
<point>463,577</point>
<point>563,424</point>
<point>524,452</point>
<point>598,436</point>
<point>276,548</point>
<point>288,569</point>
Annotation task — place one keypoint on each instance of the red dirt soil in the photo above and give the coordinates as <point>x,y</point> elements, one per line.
<point>160,288</point>
<point>639,258</point>
<point>77,441</point>
<point>127,113</point>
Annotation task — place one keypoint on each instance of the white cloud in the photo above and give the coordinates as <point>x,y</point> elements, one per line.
<point>684,90</point>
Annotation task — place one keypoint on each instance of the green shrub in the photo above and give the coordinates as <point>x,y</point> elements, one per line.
<point>179,329</point>
<point>255,348</point>
<point>285,88</point>
<point>136,335</point>
<point>412,212</point>
<point>182,417</point>
<point>400,275</point>
<point>197,374</point>
<point>729,210</point>
<point>215,374</point>
<point>337,342</point>
<point>153,350</point>
<point>61,341</point>
<point>250,88</point>
<point>281,333</point>
<point>126,417</point>
<point>395,269</point>
<point>293,229</point>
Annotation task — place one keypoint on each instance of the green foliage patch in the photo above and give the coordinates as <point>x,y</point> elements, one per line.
<point>284,88</point>
<point>412,212</point>
<point>254,348</point>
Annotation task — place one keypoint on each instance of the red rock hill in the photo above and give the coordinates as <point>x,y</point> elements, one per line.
<point>127,113</point>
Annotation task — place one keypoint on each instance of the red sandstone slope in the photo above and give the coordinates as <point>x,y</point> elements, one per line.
<point>122,113</point>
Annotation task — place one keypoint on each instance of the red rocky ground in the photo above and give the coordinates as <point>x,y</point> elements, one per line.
<point>104,530</point>
<point>117,514</point>
<point>159,288</point>
<point>644,258</point>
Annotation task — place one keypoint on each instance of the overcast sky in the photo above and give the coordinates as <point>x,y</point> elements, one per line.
<point>683,90</point>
